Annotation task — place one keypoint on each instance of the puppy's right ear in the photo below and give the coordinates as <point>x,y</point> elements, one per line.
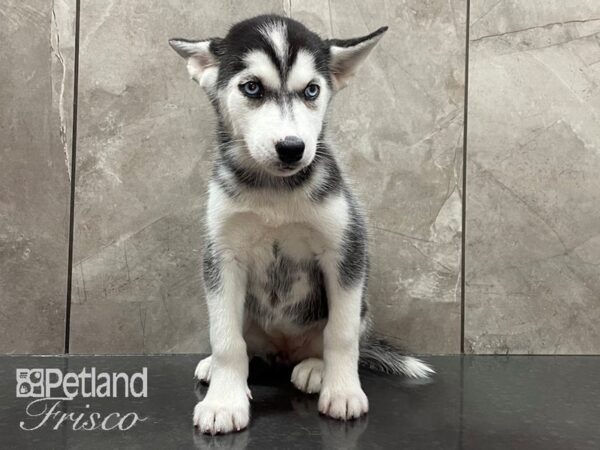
<point>202,59</point>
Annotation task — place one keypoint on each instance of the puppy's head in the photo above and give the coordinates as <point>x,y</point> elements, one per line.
<point>271,80</point>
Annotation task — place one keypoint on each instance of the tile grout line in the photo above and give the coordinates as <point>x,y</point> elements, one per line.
<point>73,167</point>
<point>464,185</point>
<point>461,402</point>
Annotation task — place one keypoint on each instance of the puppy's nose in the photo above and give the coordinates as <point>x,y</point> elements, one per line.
<point>290,149</point>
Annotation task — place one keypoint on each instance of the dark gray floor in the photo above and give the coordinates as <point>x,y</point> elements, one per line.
<point>475,402</point>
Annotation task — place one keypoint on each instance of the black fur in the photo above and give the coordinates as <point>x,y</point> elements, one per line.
<point>353,263</point>
<point>355,41</point>
<point>211,267</point>
<point>364,304</point>
<point>332,183</point>
<point>282,273</point>
<point>380,356</point>
<point>254,309</point>
<point>245,36</point>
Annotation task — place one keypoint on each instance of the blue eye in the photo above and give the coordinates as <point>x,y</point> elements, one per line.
<point>311,92</point>
<point>252,89</point>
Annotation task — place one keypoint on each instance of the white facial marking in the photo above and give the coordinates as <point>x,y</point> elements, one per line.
<point>276,34</point>
<point>260,66</point>
<point>302,72</point>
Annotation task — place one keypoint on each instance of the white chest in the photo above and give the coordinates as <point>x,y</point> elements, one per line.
<point>279,239</point>
<point>250,225</point>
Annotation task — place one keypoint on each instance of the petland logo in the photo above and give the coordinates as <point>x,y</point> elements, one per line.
<point>51,387</point>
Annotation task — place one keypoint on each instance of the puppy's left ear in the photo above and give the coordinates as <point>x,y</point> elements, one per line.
<point>202,59</point>
<point>346,56</point>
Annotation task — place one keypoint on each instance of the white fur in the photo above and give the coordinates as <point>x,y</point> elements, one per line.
<point>415,368</point>
<point>276,34</point>
<point>303,72</point>
<point>341,394</point>
<point>226,407</point>
<point>203,370</point>
<point>253,220</point>
<point>308,375</point>
<point>262,68</point>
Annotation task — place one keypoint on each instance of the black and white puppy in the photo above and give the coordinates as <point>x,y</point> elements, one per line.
<point>285,260</point>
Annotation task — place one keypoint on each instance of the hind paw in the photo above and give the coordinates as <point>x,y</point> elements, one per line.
<point>203,370</point>
<point>308,375</point>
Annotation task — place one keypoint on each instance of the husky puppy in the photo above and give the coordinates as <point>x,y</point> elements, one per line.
<point>285,258</point>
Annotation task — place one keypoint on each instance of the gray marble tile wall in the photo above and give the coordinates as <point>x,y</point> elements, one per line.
<point>533,190</point>
<point>144,152</point>
<point>36,98</point>
<point>145,143</point>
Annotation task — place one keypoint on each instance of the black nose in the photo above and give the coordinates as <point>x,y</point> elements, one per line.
<point>290,149</point>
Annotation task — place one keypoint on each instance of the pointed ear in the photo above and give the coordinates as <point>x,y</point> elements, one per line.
<point>346,56</point>
<point>202,59</point>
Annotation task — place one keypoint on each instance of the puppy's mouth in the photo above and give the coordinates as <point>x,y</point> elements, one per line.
<point>280,169</point>
<point>290,169</point>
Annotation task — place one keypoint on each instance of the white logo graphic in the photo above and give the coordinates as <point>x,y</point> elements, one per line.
<point>30,383</point>
<point>50,386</point>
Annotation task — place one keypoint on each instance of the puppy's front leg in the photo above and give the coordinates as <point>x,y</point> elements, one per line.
<point>226,406</point>
<point>341,394</point>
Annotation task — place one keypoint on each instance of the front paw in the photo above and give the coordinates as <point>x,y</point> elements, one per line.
<point>222,415</point>
<point>343,403</point>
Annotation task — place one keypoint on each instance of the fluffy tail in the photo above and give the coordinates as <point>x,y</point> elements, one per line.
<point>378,355</point>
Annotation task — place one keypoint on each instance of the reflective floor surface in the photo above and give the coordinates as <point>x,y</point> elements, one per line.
<point>474,402</point>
